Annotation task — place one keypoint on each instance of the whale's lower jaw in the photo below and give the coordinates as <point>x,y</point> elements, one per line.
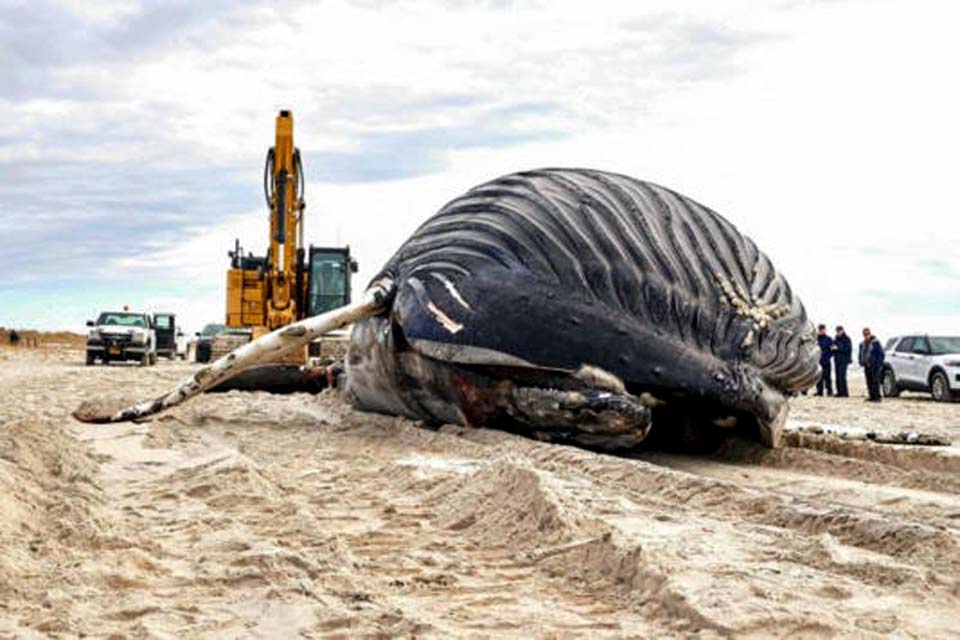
<point>388,374</point>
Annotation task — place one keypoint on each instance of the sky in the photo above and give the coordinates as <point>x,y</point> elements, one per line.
<point>132,135</point>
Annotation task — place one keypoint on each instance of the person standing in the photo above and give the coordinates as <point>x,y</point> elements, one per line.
<point>826,353</point>
<point>871,359</point>
<point>842,357</point>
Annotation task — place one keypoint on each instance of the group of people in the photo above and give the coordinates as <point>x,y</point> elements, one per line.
<point>838,350</point>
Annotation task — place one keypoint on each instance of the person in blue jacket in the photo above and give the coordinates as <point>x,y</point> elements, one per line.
<point>842,357</point>
<point>871,358</point>
<point>826,353</point>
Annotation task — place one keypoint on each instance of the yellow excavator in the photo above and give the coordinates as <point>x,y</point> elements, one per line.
<point>290,282</point>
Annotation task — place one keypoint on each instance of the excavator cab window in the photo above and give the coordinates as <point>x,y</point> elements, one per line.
<point>329,284</point>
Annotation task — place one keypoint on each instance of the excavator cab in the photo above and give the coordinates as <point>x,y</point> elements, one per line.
<point>328,282</point>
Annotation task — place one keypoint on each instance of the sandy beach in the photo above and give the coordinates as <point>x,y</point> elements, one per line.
<point>246,515</point>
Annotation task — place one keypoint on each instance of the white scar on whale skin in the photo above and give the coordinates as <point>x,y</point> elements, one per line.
<point>448,323</point>
<point>452,289</point>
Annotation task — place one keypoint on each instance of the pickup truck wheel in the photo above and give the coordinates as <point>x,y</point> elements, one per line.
<point>940,387</point>
<point>153,358</point>
<point>888,383</point>
<point>145,360</point>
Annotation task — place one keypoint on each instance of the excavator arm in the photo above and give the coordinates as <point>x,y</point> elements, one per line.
<point>284,188</point>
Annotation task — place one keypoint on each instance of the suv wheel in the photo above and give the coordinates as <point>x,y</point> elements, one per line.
<point>888,383</point>
<point>940,387</point>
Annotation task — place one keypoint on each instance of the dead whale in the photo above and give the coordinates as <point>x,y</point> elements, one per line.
<point>570,305</point>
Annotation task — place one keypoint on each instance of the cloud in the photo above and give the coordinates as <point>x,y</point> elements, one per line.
<point>392,155</point>
<point>72,219</point>
<point>942,268</point>
<point>921,303</point>
<point>40,37</point>
<point>698,47</point>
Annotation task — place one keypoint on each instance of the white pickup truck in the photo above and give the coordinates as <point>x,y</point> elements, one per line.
<point>122,335</point>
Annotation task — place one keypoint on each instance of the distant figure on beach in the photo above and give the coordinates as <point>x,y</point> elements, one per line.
<point>842,357</point>
<point>14,337</point>
<point>826,353</point>
<point>871,359</point>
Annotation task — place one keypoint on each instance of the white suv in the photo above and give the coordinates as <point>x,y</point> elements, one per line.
<point>922,363</point>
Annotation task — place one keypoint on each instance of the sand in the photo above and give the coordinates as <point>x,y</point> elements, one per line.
<point>246,515</point>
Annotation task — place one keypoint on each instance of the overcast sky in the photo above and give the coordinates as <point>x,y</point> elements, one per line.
<point>132,135</point>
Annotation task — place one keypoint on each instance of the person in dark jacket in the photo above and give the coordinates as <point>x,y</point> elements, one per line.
<point>842,357</point>
<point>871,358</point>
<point>826,353</point>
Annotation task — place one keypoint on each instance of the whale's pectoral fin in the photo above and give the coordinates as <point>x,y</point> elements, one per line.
<point>268,348</point>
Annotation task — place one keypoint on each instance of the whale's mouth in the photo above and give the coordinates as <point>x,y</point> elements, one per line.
<point>552,407</point>
<point>594,409</point>
<point>699,410</point>
<point>591,407</point>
